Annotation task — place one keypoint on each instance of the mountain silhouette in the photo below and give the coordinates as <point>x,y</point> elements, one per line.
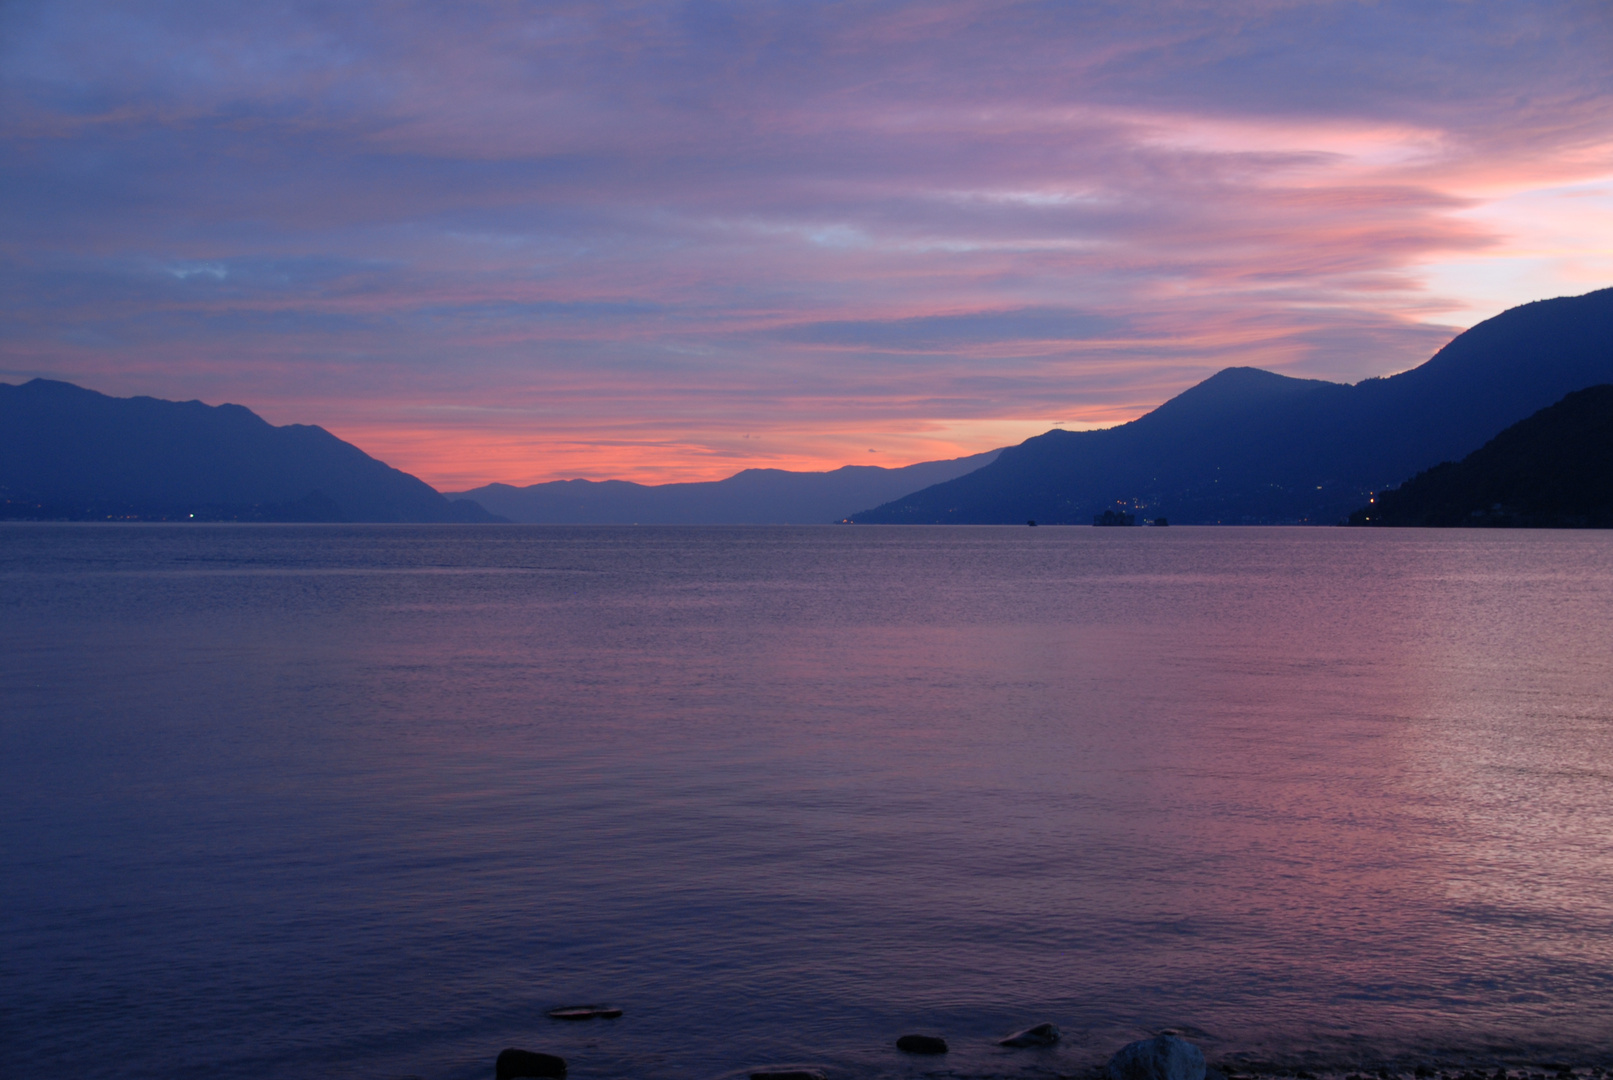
<point>1252,447</point>
<point>1551,470</point>
<point>67,452</point>
<point>750,497</point>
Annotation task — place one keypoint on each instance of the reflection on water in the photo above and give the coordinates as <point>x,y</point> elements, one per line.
<point>291,802</point>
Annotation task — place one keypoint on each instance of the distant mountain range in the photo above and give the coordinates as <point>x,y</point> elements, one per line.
<point>70,453</point>
<point>751,497</point>
<point>1248,446</point>
<point>67,453</point>
<point>1552,470</point>
<point>1244,446</point>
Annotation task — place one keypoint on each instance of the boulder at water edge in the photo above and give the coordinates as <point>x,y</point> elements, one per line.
<point>921,1044</point>
<point>1040,1035</point>
<point>516,1064</point>
<point>1164,1057</point>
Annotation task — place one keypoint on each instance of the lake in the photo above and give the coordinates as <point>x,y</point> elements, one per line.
<point>366,801</point>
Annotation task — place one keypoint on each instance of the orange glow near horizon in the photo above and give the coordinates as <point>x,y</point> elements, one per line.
<point>457,460</point>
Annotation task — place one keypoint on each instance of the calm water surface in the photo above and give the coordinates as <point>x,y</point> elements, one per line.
<point>284,801</point>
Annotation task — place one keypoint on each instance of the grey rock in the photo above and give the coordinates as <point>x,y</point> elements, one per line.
<point>1164,1057</point>
<point>922,1044</point>
<point>1040,1035</point>
<point>514,1064</point>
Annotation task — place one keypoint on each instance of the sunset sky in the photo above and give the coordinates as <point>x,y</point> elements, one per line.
<point>667,241</point>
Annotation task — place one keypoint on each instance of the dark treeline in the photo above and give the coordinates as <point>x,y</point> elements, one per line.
<point>1552,470</point>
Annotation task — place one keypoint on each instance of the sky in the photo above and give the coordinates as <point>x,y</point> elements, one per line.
<point>666,241</point>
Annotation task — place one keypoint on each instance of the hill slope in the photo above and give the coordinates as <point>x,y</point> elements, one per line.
<point>1250,446</point>
<point>1552,470</point>
<point>67,452</point>
<point>751,497</point>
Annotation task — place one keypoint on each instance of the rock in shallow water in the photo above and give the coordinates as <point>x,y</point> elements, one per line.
<point>516,1064</point>
<point>1040,1035</point>
<point>1164,1057</point>
<point>586,1012</point>
<point>921,1044</point>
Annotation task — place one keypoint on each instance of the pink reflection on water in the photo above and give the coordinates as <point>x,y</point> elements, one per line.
<point>1303,790</point>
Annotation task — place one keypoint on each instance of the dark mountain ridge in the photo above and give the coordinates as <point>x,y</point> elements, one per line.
<point>68,452</point>
<point>1551,470</point>
<point>1252,447</point>
<point>750,497</point>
